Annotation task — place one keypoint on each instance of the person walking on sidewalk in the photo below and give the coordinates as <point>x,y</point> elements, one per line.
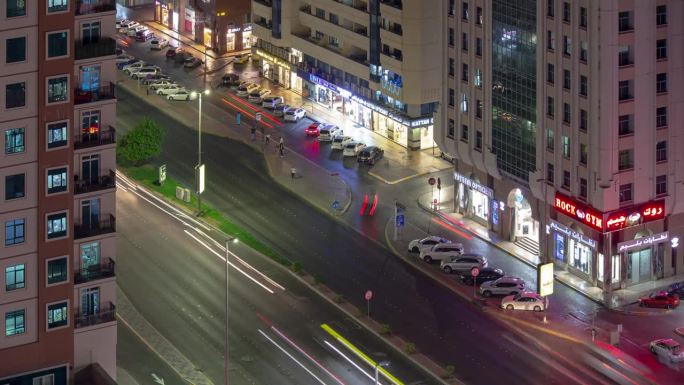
<point>267,138</point>
<point>253,134</point>
<point>281,147</point>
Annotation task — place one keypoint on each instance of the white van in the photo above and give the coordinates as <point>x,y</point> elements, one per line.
<point>272,101</point>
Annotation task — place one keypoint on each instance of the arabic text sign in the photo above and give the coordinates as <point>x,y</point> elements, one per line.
<point>576,235</point>
<point>643,242</point>
<point>635,215</point>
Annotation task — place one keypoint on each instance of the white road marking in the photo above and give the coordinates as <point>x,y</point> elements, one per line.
<point>291,357</point>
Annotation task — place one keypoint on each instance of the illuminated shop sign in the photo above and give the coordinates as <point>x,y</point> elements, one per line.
<point>635,215</point>
<point>474,185</point>
<point>271,58</point>
<point>643,242</point>
<point>576,235</point>
<point>587,215</point>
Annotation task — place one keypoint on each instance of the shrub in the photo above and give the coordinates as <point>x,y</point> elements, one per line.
<point>297,267</point>
<point>141,143</point>
<point>410,348</point>
<point>385,329</point>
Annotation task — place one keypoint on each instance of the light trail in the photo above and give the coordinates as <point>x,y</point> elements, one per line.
<point>291,357</point>
<point>360,369</point>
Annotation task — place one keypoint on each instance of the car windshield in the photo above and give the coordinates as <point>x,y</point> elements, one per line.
<point>290,112</point>
<point>338,139</point>
<point>351,145</point>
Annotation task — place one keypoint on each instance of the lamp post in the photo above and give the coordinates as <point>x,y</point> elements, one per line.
<point>384,364</point>
<point>198,169</point>
<point>228,242</point>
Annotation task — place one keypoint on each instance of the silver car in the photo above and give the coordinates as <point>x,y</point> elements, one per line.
<point>463,262</point>
<point>441,252</point>
<point>503,286</point>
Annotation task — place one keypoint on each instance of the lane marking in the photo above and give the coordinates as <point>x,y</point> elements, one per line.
<point>291,357</point>
<point>360,369</point>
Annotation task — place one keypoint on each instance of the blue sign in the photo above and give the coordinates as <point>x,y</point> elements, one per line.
<point>560,247</point>
<point>238,118</point>
<point>400,220</point>
<point>495,212</point>
<point>335,205</point>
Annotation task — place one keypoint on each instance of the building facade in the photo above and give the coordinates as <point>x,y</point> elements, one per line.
<point>372,61</point>
<point>57,171</point>
<point>221,25</point>
<point>563,124</point>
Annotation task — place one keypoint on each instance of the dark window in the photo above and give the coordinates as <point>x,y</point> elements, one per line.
<point>464,72</point>
<point>478,140</point>
<point>583,188</point>
<point>58,44</point>
<point>584,18</point>
<point>661,151</point>
<point>584,120</point>
<point>452,97</point>
<point>15,277</point>
<point>549,173</point>
<point>583,154</point>
<point>625,125</point>
<point>15,186</point>
<point>661,185</point>
<point>16,49</point>
<point>550,139</point>
<point>479,17</point>
<point>451,67</point>
<point>464,133</point>
<point>625,193</point>
<point>15,95</point>
<point>57,270</point>
<point>452,7</point>
<point>14,232</point>
<point>478,46</point>
<point>58,315</point>
<point>57,134</point>
<point>625,90</point>
<point>584,85</point>
<point>625,21</point>
<point>478,109</point>
<point>567,113</point>
<point>464,11</point>
<point>584,51</point>
<point>14,141</point>
<point>451,37</point>
<point>452,128</point>
<point>566,11</point>
<point>661,117</point>
<point>57,180</point>
<point>58,89</point>
<point>661,49</point>
<point>550,40</point>
<point>661,82</point>
<point>550,107</point>
<point>90,32</point>
<point>15,322</point>
<point>464,41</point>
<point>566,179</point>
<point>56,225</point>
<point>16,8</point>
<point>625,55</point>
<point>626,159</point>
<point>333,18</point>
<point>550,8</point>
<point>661,15</point>
<point>567,79</point>
<point>567,45</point>
<point>550,73</point>
<point>57,5</point>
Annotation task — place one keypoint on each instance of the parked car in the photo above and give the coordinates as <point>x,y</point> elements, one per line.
<point>294,114</point>
<point>180,95</point>
<point>229,80</point>
<point>340,141</point>
<point>441,251</point>
<point>170,89</point>
<point>144,71</point>
<point>328,132</point>
<point>241,59</point>
<point>129,67</point>
<point>161,84</point>
<point>271,101</point>
<point>173,51</point>
<point>144,35</point>
<point>313,129</point>
<point>417,245</point>
<point>661,299</point>
<point>119,23</point>
<point>463,262</point>
<point>247,88</point>
<point>676,288</point>
<point>125,64</point>
<point>159,43</point>
<point>257,96</point>
<point>370,155</point>
<point>123,58</point>
<point>487,274</point>
<point>133,31</point>
<point>353,149</point>
<point>124,25</point>
<point>153,78</point>
<point>281,109</point>
<point>192,62</point>
<point>526,300</point>
<point>667,349</point>
<point>502,286</point>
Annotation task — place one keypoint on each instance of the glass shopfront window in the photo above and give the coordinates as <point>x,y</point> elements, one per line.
<point>165,16</point>
<point>359,113</point>
<point>230,41</point>
<point>390,128</point>
<point>426,137</point>
<point>580,256</point>
<point>480,204</point>
<point>189,25</point>
<point>246,38</point>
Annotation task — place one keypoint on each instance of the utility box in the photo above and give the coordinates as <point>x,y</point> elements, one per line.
<point>186,196</point>
<point>180,192</point>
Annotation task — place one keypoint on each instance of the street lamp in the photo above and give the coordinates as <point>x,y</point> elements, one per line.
<point>228,242</point>
<point>384,364</point>
<point>199,170</point>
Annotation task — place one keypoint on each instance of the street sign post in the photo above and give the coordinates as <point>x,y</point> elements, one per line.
<point>257,116</point>
<point>238,118</point>
<point>399,218</point>
<point>474,272</point>
<point>368,296</point>
<point>335,205</point>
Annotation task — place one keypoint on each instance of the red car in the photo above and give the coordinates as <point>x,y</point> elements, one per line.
<point>312,130</point>
<point>172,51</point>
<point>660,299</point>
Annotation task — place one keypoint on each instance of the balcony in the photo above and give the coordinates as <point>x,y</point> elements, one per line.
<point>329,24</point>
<point>95,227</point>
<point>107,180</point>
<point>98,138</point>
<point>106,92</point>
<point>393,3</point>
<point>106,46</point>
<point>103,270</point>
<point>106,314</point>
<point>266,3</point>
<point>94,6</point>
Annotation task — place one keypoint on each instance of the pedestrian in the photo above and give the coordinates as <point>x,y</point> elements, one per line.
<point>293,172</point>
<point>281,148</point>
<point>267,138</point>
<point>253,134</point>
<point>147,91</point>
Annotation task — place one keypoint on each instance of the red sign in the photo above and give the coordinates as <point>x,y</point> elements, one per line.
<point>585,214</point>
<point>474,271</point>
<point>635,215</point>
<point>369,295</point>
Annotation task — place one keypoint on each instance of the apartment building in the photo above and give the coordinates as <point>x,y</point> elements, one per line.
<point>563,119</point>
<point>374,62</point>
<point>57,106</point>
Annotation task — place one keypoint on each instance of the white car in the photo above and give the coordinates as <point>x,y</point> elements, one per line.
<point>503,286</point>
<point>124,25</point>
<point>353,149</point>
<point>161,84</point>
<point>180,95</point>
<point>144,71</point>
<point>170,90</point>
<point>417,245</point>
<point>132,31</point>
<point>158,43</point>
<point>463,263</point>
<point>667,349</point>
<point>525,301</point>
<point>441,252</point>
<point>123,58</point>
<point>328,132</point>
<point>294,114</point>
<point>340,142</point>
<point>281,109</point>
<point>271,101</point>
<point>257,95</point>
<point>139,64</point>
<point>247,88</point>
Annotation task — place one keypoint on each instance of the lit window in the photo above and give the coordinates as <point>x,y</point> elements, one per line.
<point>58,89</point>
<point>14,141</point>
<point>57,315</point>
<point>14,322</point>
<point>57,180</point>
<point>15,277</point>
<point>14,232</point>
<point>16,8</point>
<point>56,225</point>
<point>57,5</point>
<point>57,134</point>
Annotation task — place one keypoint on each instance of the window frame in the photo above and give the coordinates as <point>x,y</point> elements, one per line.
<point>7,14</point>
<point>47,7</point>
<point>67,89</point>
<point>47,180</point>
<point>16,285</point>
<point>624,189</point>
<point>659,15</point>
<point>567,178</point>
<point>583,188</point>
<point>11,133</point>
<point>465,133</point>
<point>7,88</point>
<point>478,140</point>
<point>661,185</point>
<point>661,119</point>
<point>550,173</point>
<point>21,176</point>
<point>15,225</point>
<point>661,83</point>
<point>66,232</point>
<point>47,135</point>
<point>48,315</point>
<point>626,159</point>
<point>661,151</point>
<point>661,51</point>
<point>66,272</point>
<point>13,314</point>
<point>47,45</point>
<point>7,50</point>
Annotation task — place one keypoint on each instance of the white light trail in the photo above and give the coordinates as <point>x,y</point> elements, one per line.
<point>291,357</point>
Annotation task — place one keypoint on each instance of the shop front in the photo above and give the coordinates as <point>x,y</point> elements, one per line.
<point>189,22</point>
<point>522,221</point>
<point>473,198</point>
<point>278,70</point>
<point>644,257</point>
<point>164,14</point>
<point>572,249</point>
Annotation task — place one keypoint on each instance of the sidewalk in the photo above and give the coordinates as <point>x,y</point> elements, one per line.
<point>623,300</point>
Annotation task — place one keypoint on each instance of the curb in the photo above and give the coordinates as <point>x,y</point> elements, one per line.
<point>393,182</point>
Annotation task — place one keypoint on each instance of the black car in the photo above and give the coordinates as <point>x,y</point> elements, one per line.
<point>676,288</point>
<point>192,62</point>
<point>486,274</point>
<point>370,155</point>
<point>231,79</point>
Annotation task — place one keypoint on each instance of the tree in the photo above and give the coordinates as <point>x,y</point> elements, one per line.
<point>141,144</point>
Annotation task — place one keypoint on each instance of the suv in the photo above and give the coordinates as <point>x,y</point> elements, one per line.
<point>257,96</point>
<point>271,101</point>
<point>440,252</point>
<point>503,286</point>
<point>463,262</point>
<point>328,132</point>
<point>485,275</point>
<point>417,245</point>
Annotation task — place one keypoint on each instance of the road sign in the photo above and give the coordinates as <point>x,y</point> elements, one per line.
<point>474,271</point>
<point>257,116</point>
<point>432,181</point>
<point>335,205</point>
<point>368,295</point>
<point>400,220</point>
<point>238,117</point>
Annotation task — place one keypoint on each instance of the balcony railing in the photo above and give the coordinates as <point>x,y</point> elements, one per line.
<point>360,29</point>
<point>98,138</point>
<point>105,314</point>
<point>106,224</point>
<point>393,3</point>
<point>91,273</point>
<point>90,6</point>
<point>359,58</point>
<point>267,3</point>
<point>105,92</point>
<point>105,181</point>
<point>105,46</point>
